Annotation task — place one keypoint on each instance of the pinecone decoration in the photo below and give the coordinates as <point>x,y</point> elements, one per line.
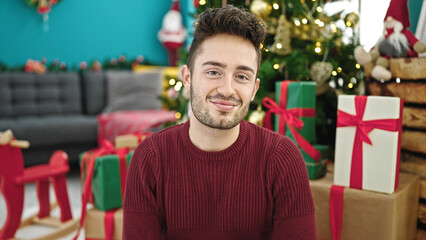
<point>282,38</point>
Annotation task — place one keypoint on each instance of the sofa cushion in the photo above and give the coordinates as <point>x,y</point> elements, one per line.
<point>24,94</point>
<point>133,91</point>
<point>52,130</point>
<point>94,93</point>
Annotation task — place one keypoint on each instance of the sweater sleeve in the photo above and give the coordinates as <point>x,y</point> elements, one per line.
<point>142,218</point>
<point>294,213</point>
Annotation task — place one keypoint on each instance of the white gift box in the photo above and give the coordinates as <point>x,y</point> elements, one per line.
<point>372,166</point>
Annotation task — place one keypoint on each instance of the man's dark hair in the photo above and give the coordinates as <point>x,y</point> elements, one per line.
<point>230,20</point>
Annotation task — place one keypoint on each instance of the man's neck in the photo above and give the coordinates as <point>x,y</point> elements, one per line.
<point>211,139</point>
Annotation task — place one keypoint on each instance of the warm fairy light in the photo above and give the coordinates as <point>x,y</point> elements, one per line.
<point>202,2</point>
<point>357,66</point>
<point>297,22</point>
<point>317,49</point>
<point>266,50</point>
<point>304,21</point>
<point>318,44</point>
<point>178,115</point>
<point>317,21</point>
<point>333,27</point>
<point>334,73</point>
<point>353,80</point>
<point>321,24</point>
<point>172,82</point>
<point>350,85</point>
<point>279,45</point>
<point>319,9</point>
<point>348,23</point>
<point>276,6</point>
<point>339,69</point>
<point>276,66</point>
<point>178,86</point>
<point>261,45</point>
<point>398,80</point>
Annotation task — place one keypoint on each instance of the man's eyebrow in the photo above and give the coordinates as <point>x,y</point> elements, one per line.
<point>218,64</point>
<point>214,63</point>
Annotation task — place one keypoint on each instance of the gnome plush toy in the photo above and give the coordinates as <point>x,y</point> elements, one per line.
<point>397,41</point>
<point>172,33</point>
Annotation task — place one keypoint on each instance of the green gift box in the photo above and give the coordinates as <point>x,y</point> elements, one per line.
<point>106,180</point>
<point>316,169</point>
<point>298,95</point>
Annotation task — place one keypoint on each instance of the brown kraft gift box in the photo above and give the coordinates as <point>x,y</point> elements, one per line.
<point>367,214</point>
<point>95,224</point>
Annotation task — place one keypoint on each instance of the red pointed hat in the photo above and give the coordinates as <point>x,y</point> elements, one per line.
<point>175,6</point>
<point>398,9</point>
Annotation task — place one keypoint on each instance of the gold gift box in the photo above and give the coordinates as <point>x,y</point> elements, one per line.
<point>367,214</point>
<point>95,224</point>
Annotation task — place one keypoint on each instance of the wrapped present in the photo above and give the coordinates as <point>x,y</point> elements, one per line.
<point>296,111</point>
<point>368,138</point>
<point>301,97</point>
<point>366,214</point>
<point>109,176</point>
<point>130,140</point>
<point>104,225</point>
<point>316,169</point>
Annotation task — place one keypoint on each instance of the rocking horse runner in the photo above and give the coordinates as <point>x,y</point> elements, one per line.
<point>13,176</point>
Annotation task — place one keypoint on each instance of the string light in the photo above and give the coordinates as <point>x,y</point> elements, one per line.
<point>296,22</point>
<point>276,66</point>
<point>357,66</point>
<point>261,45</point>
<point>266,50</point>
<point>178,86</point>
<point>398,80</point>
<point>279,45</point>
<point>334,73</point>
<point>348,24</point>
<point>276,6</point>
<point>321,24</point>
<point>172,82</point>
<point>350,85</point>
<point>318,50</point>
<point>202,2</point>
<point>353,80</point>
<point>317,21</point>
<point>333,27</point>
<point>304,21</point>
<point>319,9</point>
<point>178,115</point>
<point>339,69</point>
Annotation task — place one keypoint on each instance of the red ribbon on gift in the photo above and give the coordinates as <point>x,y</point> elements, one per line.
<point>363,128</point>
<point>291,117</point>
<point>336,210</point>
<point>106,148</point>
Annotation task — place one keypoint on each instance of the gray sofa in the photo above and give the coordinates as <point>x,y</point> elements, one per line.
<point>58,110</point>
<point>52,111</point>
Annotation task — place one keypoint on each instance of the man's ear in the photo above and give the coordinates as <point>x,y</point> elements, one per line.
<point>186,77</point>
<point>256,87</point>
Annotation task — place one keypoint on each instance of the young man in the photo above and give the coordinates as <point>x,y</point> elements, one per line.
<point>218,176</point>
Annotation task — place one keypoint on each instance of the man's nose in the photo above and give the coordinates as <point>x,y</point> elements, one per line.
<point>226,86</point>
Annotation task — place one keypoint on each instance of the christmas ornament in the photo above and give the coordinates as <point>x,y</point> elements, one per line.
<point>256,117</point>
<point>282,38</point>
<point>320,73</point>
<point>172,33</point>
<point>261,8</point>
<point>351,19</point>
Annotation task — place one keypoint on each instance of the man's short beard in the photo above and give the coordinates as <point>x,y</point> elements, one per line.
<point>203,115</point>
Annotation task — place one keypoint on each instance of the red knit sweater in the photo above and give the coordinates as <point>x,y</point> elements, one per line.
<point>258,188</point>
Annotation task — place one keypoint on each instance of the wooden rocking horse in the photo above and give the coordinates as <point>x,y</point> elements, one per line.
<point>13,176</point>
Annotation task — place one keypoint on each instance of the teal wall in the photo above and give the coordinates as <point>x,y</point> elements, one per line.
<point>414,7</point>
<point>81,30</point>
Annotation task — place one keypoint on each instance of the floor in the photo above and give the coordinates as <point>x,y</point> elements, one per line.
<point>31,207</point>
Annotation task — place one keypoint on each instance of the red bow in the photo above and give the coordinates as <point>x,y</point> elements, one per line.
<point>363,128</point>
<point>290,117</point>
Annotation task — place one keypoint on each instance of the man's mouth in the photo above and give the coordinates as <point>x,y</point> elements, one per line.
<point>224,105</point>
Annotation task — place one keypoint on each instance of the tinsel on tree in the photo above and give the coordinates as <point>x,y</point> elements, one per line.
<point>305,44</point>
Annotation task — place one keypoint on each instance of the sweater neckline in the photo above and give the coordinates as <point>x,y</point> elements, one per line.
<point>219,155</point>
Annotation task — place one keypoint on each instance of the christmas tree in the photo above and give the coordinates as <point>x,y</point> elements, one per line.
<point>304,44</point>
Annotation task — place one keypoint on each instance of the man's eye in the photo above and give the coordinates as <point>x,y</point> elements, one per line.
<point>242,77</point>
<point>213,73</point>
